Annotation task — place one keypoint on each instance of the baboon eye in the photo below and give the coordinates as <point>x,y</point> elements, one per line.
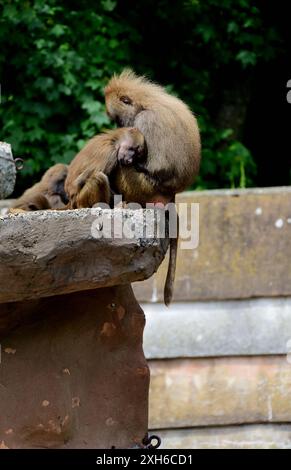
<point>32,207</point>
<point>125,100</point>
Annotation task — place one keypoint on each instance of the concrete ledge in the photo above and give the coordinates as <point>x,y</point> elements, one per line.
<point>229,328</point>
<point>258,436</point>
<point>54,252</point>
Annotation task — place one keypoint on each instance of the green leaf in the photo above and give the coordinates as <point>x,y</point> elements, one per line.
<point>108,5</point>
<point>58,30</point>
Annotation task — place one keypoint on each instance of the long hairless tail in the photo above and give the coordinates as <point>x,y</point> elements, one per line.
<point>170,279</point>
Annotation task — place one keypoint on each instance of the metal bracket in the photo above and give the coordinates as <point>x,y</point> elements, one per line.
<point>18,162</point>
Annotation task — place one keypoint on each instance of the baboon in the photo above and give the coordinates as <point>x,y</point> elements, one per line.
<point>169,127</point>
<point>95,167</point>
<point>48,193</point>
<point>173,146</point>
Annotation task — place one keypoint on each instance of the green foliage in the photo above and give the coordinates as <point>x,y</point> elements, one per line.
<point>54,63</point>
<point>56,57</point>
<point>227,161</point>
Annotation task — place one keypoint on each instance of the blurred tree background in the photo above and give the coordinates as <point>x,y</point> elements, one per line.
<point>228,59</point>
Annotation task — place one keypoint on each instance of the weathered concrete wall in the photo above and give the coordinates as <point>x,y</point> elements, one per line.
<point>271,436</point>
<point>220,363</point>
<point>73,372</point>
<point>216,329</point>
<point>219,391</point>
<point>244,249</point>
<point>222,368</point>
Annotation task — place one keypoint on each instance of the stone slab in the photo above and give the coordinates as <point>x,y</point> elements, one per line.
<point>219,391</point>
<point>54,252</point>
<point>222,328</point>
<point>257,436</point>
<point>244,249</point>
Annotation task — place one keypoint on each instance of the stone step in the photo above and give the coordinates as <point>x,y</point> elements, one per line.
<point>258,436</point>
<point>222,328</point>
<point>244,249</point>
<point>219,391</point>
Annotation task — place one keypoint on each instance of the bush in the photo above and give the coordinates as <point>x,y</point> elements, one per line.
<point>55,59</point>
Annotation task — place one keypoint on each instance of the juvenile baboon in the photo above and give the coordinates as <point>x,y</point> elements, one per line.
<point>89,188</point>
<point>173,143</point>
<point>48,193</point>
<point>101,160</point>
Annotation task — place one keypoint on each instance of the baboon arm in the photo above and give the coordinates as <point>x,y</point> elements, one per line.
<point>158,167</point>
<point>110,163</point>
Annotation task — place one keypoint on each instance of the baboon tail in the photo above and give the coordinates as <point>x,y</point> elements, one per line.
<point>170,279</point>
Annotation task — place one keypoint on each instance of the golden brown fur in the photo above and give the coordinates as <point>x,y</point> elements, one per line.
<point>91,187</point>
<point>104,155</point>
<point>170,130</point>
<point>173,142</point>
<point>48,193</point>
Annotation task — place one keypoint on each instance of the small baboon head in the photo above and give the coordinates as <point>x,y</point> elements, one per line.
<point>38,202</point>
<point>131,147</point>
<point>54,180</point>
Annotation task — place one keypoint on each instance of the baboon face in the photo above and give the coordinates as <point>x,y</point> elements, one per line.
<point>131,148</point>
<point>54,179</point>
<point>37,203</point>
<point>58,187</point>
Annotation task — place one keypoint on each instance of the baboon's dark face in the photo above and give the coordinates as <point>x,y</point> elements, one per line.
<point>59,189</point>
<point>54,180</point>
<point>131,148</point>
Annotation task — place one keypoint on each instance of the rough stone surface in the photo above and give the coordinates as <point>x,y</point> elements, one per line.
<point>4,206</point>
<point>73,373</point>
<point>244,250</point>
<point>223,328</point>
<point>54,252</point>
<point>268,436</point>
<point>203,392</point>
<point>7,170</point>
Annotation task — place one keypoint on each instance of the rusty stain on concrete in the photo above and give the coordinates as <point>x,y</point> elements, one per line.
<point>120,312</point>
<point>76,402</point>
<point>110,421</point>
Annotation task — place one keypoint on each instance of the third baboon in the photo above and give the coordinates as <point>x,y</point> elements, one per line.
<point>48,193</point>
